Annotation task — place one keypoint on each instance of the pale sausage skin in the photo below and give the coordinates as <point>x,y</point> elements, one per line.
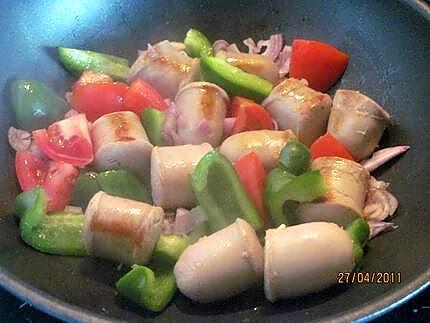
<point>221,265</point>
<point>267,144</point>
<point>121,142</point>
<point>170,167</point>
<point>201,108</point>
<point>120,229</point>
<point>346,186</point>
<point>305,258</point>
<point>296,106</point>
<point>166,67</point>
<point>357,122</point>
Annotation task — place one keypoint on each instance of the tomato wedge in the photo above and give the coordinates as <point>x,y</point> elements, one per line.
<point>329,146</point>
<point>252,175</point>
<point>67,140</point>
<point>249,115</point>
<point>97,99</point>
<point>140,95</point>
<point>319,63</point>
<point>56,178</point>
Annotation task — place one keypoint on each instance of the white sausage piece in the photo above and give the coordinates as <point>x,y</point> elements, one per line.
<point>346,185</point>
<point>357,122</point>
<point>267,144</point>
<point>120,142</point>
<point>201,108</point>
<point>305,258</point>
<point>252,63</point>
<point>296,106</point>
<point>170,167</point>
<point>166,67</point>
<point>120,229</point>
<point>221,265</point>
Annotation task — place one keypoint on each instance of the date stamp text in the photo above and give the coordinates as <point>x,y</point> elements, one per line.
<point>378,277</point>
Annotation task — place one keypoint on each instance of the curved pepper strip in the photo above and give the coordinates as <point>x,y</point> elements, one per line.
<point>59,234</point>
<point>360,232</point>
<point>197,44</point>
<point>220,193</point>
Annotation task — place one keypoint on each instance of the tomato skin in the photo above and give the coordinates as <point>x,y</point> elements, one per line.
<point>67,140</point>
<point>56,178</point>
<point>140,95</point>
<point>252,174</point>
<point>319,63</point>
<point>329,146</point>
<point>97,99</point>
<point>249,115</point>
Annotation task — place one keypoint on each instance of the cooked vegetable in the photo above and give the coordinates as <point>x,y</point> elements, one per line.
<point>235,81</point>
<point>67,140</point>
<point>120,229</point>
<point>220,193</point>
<point>329,146</point>
<point>282,187</point>
<point>295,158</point>
<point>152,120</point>
<point>249,116</point>
<point>25,200</point>
<point>55,234</point>
<point>305,258</point>
<point>201,108</point>
<point>267,144</point>
<point>86,186</point>
<point>360,232</point>
<point>319,63</point>
<point>197,44</point>
<point>221,265</point>
<point>346,184</point>
<point>252,175</point>
<point>78,60</point>
<point>357,122</point>
<point>170,168</point>
<point>294,105</point>
<point>141,95</point>
<point>380,157</point>
<point>168,249</point>
<point>34,105</point>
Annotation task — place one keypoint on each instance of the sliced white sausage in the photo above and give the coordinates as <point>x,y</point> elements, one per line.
<point>305,258</point>
<point>166,67</point>
<point>346,185</point>
<point>296,106</point>
<point>201,108</point>
<point>267,144</point>
<point>256,64</point>
<point>120,142</point>
<point>170,167</point>
<point>221,265</point>
<point>357,122</point>
<point>120,229</point>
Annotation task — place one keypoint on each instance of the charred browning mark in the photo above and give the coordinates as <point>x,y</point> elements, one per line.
<point>121,126</point>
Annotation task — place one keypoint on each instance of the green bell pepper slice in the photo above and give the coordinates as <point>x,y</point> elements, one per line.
<point>232,79</point>
<point>281,187</point>
<point>295,158</point>
<point>220,193</point>
<point>59,234</point>
<point>34,105</point>
<point>168,249</point>
<point>359,231</point>
<point>77,61</point>
<point>25,200</point>
<point>197,44</point>
<point>152,120</point>
<point>86,186</point>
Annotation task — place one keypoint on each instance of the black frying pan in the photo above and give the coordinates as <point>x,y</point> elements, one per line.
<point>389,45</point>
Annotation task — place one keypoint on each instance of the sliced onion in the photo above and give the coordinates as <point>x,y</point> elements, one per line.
<point>380,203</point>
<point>204,127</point>
<point>273,46</point>
<point>228,126</point>
<point>19,140</point>
<point>283,61</point>
<point>252,46</point>
<point>382,156</point>
<point>379,227</point>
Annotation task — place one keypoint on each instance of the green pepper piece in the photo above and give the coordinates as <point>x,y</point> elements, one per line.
<point>304,188</point>
<point>25,200</point>
<point>168,249</point>
<point>34,105</point>
<point>232,79</point>
<point>78,60</point>
<point>197,44</point>
<point>152,120</point>
<point>220,193</point>
<point>359,231</point>
<point>151,289</point>
<point>86,186</point>
<point>54,234</point>
<point>123,183</point>
<point>295,157</point>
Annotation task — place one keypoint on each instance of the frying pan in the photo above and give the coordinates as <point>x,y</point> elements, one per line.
<point>389,46</point>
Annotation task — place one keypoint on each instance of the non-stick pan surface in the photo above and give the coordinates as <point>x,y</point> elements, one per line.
<point>389,46</point>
